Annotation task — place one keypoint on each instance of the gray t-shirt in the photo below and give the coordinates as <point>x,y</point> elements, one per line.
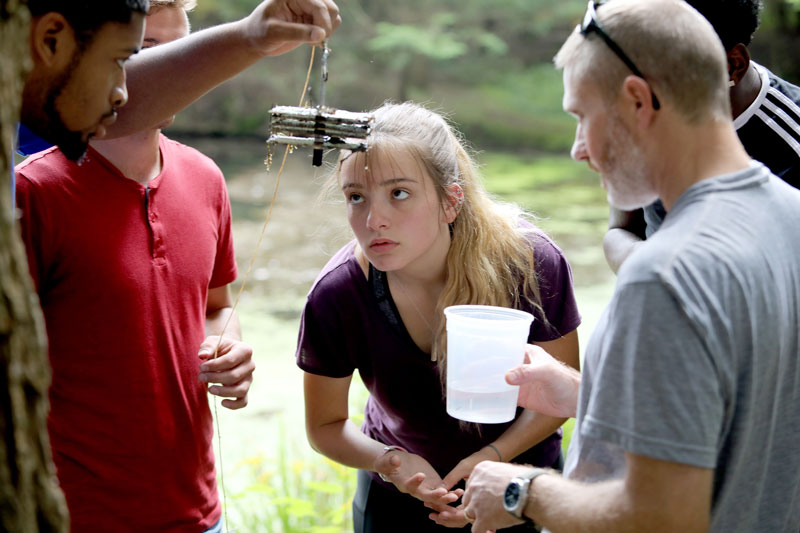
<point>696,360</point>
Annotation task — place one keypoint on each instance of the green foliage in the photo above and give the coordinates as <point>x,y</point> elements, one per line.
<point>487,62</point>
<point>514,176</point>
<point>567,199</point>
<point>292,494</point>
<point>567,428</point>
<point>210,12</point>
<point>777,40</point>
<point>565,195</point>
<point>451,50</point>
<point>517,111</point>
<point>400,40</point>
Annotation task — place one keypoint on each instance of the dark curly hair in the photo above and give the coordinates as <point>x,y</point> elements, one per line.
<point>735,21</point>
<point>88,16</point>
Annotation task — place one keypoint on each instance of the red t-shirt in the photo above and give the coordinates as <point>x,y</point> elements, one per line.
<point>123,273</point>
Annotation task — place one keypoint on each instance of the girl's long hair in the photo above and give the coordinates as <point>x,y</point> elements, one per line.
<point>490,260</point>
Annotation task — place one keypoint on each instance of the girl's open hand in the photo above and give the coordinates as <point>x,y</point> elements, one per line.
<point>413,475</point>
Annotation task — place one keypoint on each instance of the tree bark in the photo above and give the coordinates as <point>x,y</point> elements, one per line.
<point>30,499</point>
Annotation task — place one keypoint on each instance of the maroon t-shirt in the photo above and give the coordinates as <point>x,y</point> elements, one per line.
<point>345,328</point>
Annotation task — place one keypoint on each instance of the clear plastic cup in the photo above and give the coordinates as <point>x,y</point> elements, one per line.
<point>483,343</point>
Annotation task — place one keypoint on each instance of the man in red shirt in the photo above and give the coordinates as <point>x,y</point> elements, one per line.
<point>132,255</point>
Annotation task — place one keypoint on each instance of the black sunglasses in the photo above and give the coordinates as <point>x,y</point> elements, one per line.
<point>590,24</point>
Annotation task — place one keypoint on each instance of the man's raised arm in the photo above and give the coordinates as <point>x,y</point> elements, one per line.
<point>165,79</point>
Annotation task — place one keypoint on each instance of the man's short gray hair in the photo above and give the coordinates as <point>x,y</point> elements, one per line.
<point>674,46</point>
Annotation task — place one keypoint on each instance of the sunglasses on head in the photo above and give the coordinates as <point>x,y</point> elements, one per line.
<point>590,25</point>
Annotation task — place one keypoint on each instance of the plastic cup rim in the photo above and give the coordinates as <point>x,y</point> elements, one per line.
<point>509,312</point>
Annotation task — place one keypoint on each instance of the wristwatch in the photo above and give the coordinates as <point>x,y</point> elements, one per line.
<point>516,496</point>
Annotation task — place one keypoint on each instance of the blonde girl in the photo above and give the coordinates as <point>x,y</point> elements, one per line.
<point>427,235</point>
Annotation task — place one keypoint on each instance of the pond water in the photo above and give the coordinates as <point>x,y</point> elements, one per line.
<point>305,230</point>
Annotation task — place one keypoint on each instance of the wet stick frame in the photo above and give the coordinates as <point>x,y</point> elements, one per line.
<point>320,127</point>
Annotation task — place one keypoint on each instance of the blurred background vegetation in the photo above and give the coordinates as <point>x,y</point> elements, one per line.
<point>485,64</point>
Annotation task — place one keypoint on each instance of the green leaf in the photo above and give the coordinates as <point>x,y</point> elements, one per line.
<point>492,43</point>
<point>436,43</point>
<point>325,487</point>
<point>294,506</point>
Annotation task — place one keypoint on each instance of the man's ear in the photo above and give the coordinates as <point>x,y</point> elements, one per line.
<point>738,63</point>
<point>52,40</point>
<point>637,98</point>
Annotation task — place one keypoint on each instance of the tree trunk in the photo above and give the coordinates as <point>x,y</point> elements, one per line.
<point>30,499</point>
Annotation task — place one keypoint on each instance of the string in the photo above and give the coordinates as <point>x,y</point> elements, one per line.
<point>239,295</point>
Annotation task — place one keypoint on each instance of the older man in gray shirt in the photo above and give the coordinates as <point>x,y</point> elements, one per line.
<point>688,411</point>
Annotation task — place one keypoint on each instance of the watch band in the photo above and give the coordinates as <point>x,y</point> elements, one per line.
<point>533,473</point>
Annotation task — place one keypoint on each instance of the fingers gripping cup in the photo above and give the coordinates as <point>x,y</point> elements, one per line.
<point>483,343</point>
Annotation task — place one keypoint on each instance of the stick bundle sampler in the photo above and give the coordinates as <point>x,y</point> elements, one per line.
<point>319,127</point>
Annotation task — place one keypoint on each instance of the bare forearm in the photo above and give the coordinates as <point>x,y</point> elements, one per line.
<point>215,322</point>
<point>562,506</point>
<point>585,508</point>
<point>653,496</point>
<point>344,443</point>
<point>165,79</point>
<point>618,245</point>
<point>565,401</point>
<point>529,429</point>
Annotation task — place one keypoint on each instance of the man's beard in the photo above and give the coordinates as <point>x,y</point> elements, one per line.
<point>71,143</point>
<point>627,187</point>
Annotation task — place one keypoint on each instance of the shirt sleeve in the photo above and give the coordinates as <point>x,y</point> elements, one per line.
<point>554,277</point>
<point>655,391</point>
<point>225,270</point>
<point>330,330</point>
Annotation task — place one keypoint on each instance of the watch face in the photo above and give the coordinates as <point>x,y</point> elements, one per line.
<point>511,497</point>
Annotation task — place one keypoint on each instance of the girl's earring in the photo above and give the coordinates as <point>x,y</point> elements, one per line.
<point>459,194</point>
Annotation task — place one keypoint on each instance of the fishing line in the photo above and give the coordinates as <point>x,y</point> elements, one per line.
<point>241,290</point>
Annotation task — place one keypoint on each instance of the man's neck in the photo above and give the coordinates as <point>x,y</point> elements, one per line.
<point>744,93</point>
<point>136,156</point>
<point>690,154</point>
